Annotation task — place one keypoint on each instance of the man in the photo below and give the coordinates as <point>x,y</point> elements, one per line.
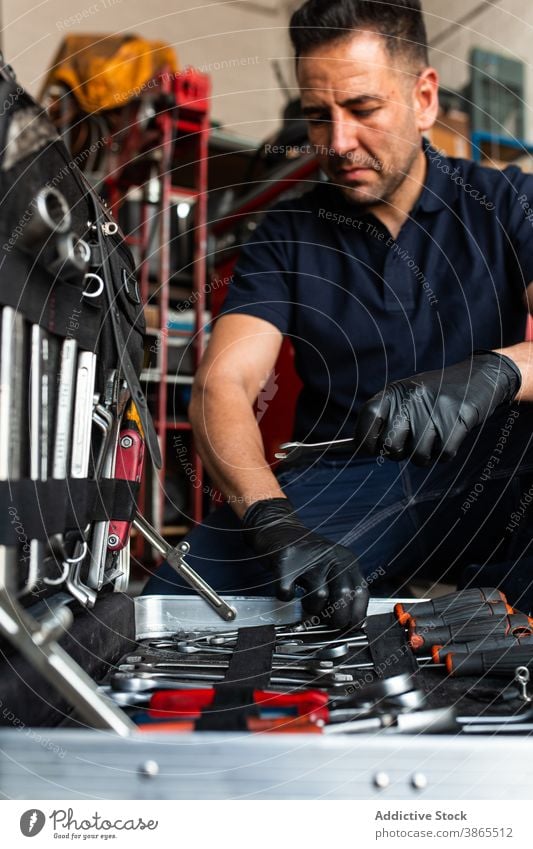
<point>402,263</point>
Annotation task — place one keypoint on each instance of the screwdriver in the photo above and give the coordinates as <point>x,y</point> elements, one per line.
<point>515,625</point>
<point>501,662</point>
<point>439,653</point>
<point>491,595</point>
<point>468,613</point>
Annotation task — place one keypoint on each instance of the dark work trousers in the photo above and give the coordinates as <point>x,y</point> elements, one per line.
<point>401,521</point>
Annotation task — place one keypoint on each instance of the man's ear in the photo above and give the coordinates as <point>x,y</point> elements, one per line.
<point>426,99</point>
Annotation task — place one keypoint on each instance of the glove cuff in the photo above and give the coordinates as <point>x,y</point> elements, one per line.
<point>267,512</point>
<point>508,368</point>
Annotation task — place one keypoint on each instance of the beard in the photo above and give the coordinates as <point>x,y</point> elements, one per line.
<point>381,190</point>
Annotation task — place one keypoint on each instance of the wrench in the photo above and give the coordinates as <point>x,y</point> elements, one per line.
<point>175,668</point>
<point>173,661</point>
<point>292,450</point>
<point>142,681</point>
<point>332,674</point>
<point>433,721</point>
<point>231,638</point>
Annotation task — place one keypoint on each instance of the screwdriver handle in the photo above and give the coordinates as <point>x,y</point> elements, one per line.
<point>497,626</point>
<point>439,653</point>
<point>460,614</point>
<point>437,605</point>
<point>501,662</point>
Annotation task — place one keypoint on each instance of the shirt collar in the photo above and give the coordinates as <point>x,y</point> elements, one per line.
<point>440,190</point>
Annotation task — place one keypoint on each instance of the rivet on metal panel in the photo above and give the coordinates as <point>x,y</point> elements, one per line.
<point>419,781</point>
<point>381,780</point>
<point>149,769</point>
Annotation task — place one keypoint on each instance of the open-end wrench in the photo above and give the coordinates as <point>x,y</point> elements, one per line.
<point>176,668</point>
<point>491,719</point>
<point>144,682</point>
<point>333,675</point>
<point>434,721</point>
<point>176,661</point>
<point>328,653</point>
<point>341,646</point>
<point>294,635</point>
<point>292,450</point>
<point>297,632</point>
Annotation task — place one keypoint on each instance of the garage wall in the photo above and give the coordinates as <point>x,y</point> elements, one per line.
<point>233,41</point>
<point>505,27</point>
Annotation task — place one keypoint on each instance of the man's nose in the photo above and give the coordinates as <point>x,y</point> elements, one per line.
<point>343,138</point>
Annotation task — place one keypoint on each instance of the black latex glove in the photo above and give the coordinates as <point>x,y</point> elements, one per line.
<point>327,572</point>
<point>427,416</point>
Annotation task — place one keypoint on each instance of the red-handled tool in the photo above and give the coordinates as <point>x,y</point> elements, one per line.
<point>190,703</point>
<point>129,467</point>
<point>438,605</point>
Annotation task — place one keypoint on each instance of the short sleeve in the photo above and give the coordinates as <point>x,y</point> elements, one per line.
<point>260,285</point>
<point>520,222</point>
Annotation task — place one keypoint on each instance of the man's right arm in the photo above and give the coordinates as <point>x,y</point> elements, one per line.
<point>239,358</point>
<point>241,354</point>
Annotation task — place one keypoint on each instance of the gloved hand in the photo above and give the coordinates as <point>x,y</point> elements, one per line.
<point>429,415</point>
<point>327,572</point>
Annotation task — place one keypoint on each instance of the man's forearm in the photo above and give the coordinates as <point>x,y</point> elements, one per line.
<point>229,442</point>
<point>522,356</point>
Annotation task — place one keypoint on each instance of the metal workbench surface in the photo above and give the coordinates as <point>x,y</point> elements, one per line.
<point>97,765</point>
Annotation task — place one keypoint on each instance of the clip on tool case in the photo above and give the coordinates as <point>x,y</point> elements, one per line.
<point>71,407</point>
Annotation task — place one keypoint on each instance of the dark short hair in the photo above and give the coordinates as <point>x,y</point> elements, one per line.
<point>400,22</point>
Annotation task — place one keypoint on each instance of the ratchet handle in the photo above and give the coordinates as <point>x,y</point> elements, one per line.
<point>501,663</point>
<point>497,626</point>
<point>174,557</point>
<point>490,595</point>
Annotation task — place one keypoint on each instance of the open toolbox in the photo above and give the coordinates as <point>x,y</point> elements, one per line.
<point>79,763</point>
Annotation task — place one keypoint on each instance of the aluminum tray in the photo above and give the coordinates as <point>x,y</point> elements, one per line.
<point>162,615</point>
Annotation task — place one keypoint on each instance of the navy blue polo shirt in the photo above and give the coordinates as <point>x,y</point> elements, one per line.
<point>362,308</point>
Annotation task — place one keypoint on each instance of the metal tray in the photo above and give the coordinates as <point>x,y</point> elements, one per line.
<point>162,615</point>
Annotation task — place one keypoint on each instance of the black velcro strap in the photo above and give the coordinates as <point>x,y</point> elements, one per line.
<point>389,649</point>
<point>38,509</point>
<point>249,669</point>
<point>54,305</point>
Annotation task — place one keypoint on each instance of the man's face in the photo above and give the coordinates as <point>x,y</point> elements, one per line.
<point>363,114</point>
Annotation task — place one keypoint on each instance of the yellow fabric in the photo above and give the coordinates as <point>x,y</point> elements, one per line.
<point>106,71</point>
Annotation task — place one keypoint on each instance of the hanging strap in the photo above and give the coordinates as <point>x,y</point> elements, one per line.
<point>126,364</point>
<point>249,669</point>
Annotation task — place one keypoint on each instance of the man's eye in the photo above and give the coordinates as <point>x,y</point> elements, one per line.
<point>318,120</point>
<point>364,113</point>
